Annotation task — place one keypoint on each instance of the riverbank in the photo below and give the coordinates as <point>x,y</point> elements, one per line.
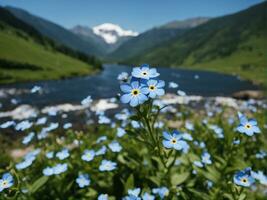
<point>111,105</point>
<point>255,75</point>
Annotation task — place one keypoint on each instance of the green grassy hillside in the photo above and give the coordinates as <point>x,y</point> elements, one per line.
<point>154,37</point>
<point>50,64</point>
<point>248,61</point>
<point>233,44</point>
<point>25,55</point>
<point>58,33</point>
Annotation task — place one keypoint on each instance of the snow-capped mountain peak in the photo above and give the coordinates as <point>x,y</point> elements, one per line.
<point>111,33</point>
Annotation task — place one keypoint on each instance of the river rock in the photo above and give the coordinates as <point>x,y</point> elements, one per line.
<point>249,94</point>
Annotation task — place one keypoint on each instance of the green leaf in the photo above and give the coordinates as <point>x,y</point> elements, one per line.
<point>214,173</point>
<point>121,159</point>
<point>38,184</point>
<point>228,196</point>
<point>201,195</point>
<point>191,183</point>
<point>242,196</point>
<point>220,159</point>
<point>129,183</point>
<point>156,159</point>
<point>178,179</point>
<point>155,180</point>
<point>68,186</point>
<point>91,193</point>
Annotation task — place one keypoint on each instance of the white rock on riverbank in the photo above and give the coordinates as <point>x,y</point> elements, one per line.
<point>27,111</point>
<point>21,112</point>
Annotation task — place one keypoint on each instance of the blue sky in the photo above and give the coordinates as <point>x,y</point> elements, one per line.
<point>138,15</point>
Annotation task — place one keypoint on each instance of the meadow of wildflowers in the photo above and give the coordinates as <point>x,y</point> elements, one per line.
<point>148,150</point>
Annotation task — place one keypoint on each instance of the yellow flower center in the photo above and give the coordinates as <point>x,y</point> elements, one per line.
<point>244,180</point>
<point>152,87</point>
<point>4,183</point>
<point>144,73</point>
<point>248,126</point>
<point>173,141</point>
<point>135,92</point>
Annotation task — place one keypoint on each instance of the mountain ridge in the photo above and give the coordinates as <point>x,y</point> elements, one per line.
<point>233,44</point>
<point>56,32</point>
<point>109,36</point>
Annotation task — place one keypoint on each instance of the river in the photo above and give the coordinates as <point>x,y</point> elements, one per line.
<point>106,85</point>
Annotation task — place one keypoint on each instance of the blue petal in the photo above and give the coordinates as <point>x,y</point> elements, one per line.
<point>136,72</point>
<point>126,98</point>
<point>145,90</point>
<point>160,84</point>
<point>177,134</point>
<point>178,145</point>
<point>152,82</point>
<point>144,66</point>
<point>134,101</point>
<point>249,132</point>
<point>7,177</point>
<point>166,135</point>
<point>256,129</point>
<point>241,129</point>
<point>167,144</point>
<point>152,94</point>
<point>253,122</point>
<point>135,84</point>
<point>160,92</point>
<point>142,98</point>
<point>126,88</point>
<point>153,73</point>
<point>243,120</point>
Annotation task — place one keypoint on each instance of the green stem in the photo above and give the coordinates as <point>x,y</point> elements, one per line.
<point>148,128</point>
<point>172,163</point>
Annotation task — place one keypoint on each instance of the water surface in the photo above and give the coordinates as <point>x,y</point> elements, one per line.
<point>105,85</point>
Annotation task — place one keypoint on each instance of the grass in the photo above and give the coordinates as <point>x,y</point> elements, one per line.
<point>55,65</point>
<point>138,164</point>
<point>250,65</point>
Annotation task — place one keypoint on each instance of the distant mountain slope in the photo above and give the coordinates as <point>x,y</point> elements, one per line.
<point>187,23</point>
<point>108,36</point>
<point>58,33</point>
<point>232,44</point>
<point>154,37</point>
<point>26,55</point>
<point>87,34</point>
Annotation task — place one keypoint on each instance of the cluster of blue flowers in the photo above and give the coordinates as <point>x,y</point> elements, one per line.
<point>29,158</point>
<point>142,86</point>
<point>85,157</point>
<point>134,194</point>
<point>57,169</point>
<point>247,177</point>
